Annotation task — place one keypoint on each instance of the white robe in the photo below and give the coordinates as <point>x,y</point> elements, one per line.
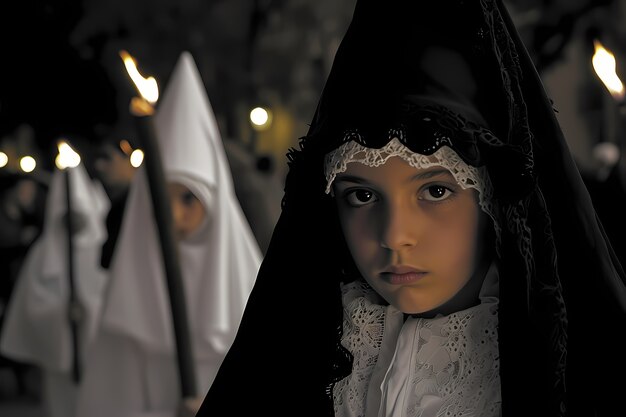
<point>36,328</point>
<point>132,365</point>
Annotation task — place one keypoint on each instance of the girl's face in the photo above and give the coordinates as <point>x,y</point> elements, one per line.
<point>187,210</point>
<point>412,233</point>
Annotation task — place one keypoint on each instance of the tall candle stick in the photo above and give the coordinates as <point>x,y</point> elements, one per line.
<point>142,110</point>
<point>621,143</point>
<point>67,160</point>
<point>75,310</point>
<point>605,65</point>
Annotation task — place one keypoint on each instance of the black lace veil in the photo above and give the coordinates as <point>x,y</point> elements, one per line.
<point>562,290</point>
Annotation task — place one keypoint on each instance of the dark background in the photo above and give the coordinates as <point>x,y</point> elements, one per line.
<point>60,71</point>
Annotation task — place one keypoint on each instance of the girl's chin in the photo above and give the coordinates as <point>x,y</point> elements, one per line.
<point>410,305</point>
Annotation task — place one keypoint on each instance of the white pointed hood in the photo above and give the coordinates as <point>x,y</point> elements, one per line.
<point>218,265</point>
<point>36,327</point>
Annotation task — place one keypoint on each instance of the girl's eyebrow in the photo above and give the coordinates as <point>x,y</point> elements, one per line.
<point>430,174</point>
<point>349,178</point>
<point>424,175</point>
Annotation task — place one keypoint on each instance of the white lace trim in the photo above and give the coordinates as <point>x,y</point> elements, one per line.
<point>453,372</point>
<point>465,175</point>
<point>363,326</point>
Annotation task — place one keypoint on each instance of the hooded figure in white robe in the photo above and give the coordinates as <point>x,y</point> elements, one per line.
<point>133,366</point>
<point>36,329</point>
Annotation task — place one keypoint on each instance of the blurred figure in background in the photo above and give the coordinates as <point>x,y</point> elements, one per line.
<point>113,168</point>
<point>22,196</point>
<point>22,202</point>
<point>37,327</point>
<point>607,187</point>
<point>132,364</point>
<point>257,190</point>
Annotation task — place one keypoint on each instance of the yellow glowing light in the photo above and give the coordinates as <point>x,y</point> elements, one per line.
<point>67,157</point>
<point>28,163</point>
<point>136,158</point>
<point>259,116</point>
<point>4,159</point>
<point>125,147</point>
<point>147,87</point>
<point>604,65</point>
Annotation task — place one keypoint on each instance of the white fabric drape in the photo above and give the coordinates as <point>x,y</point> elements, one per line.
<point>218,266</point>
<point>36,328</point>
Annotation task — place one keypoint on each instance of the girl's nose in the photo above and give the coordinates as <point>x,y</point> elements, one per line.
<point>177,215</point>
<point>401,227</point>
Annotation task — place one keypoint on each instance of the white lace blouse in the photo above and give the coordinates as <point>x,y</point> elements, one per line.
<point>444,366</point>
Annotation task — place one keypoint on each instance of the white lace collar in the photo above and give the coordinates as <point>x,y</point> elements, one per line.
<point>454,360</point>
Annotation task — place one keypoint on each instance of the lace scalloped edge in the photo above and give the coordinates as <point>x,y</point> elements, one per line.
<point>466,176</point>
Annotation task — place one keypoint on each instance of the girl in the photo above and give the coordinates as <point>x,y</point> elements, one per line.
<point>461,270</point>
<point>133,368</point>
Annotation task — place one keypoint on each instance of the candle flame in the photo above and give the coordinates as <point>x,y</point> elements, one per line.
<point>147,87</point>
<point>604,64</point>
<point>67,157</point>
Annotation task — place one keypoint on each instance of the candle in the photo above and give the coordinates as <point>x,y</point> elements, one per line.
<point>66,160</point>
<point>605,65</point>
<point>142,109</point>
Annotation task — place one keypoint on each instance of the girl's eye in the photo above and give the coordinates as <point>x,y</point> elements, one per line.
<point>188,198</point>
<point>436,193</point>
<point>360,197</point>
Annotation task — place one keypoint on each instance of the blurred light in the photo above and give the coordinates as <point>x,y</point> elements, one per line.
<point>604,65</point>
<point>147,87</point>
<point>4,159</point>
<point>28,163</point>
<point>260,117</point>
<point>606,153</point>
<point>136,158</point>
<point>67,157</point>
<point>125,147</point>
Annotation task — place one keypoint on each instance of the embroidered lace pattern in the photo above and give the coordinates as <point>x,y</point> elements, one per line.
<point>363,326</point>
<point>466,176</point>
<point>458,362</point>
<point>455,368</point>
